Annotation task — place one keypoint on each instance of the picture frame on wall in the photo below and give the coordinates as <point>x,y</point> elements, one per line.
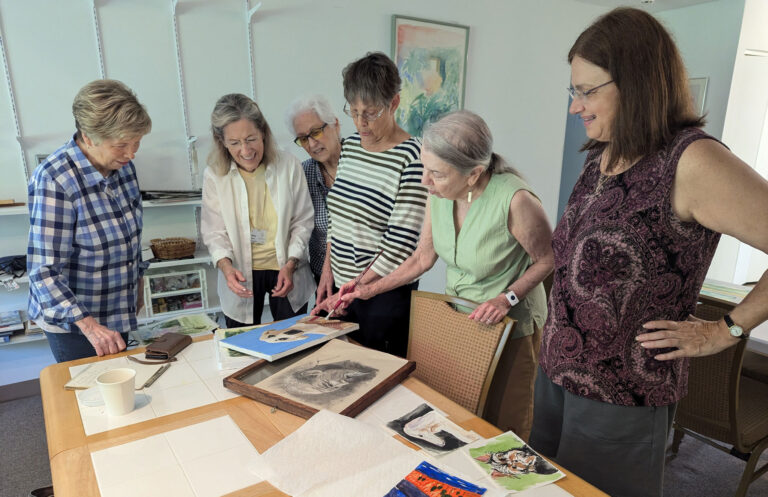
<point>431,57</point>
<point>698,88</point>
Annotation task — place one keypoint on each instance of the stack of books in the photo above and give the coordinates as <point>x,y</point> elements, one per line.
<point>10,322</point>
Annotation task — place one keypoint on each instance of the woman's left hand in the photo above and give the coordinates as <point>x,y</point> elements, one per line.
<point>284,280</point>
<point>692,338</point>
<point>491,311</point>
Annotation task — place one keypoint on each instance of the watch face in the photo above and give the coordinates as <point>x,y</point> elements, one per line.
<point>736,330</point>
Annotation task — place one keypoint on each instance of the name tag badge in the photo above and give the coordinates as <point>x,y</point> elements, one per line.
<point>258,236</point>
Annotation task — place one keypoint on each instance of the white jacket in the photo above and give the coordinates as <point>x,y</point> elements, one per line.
<point>226,229</point>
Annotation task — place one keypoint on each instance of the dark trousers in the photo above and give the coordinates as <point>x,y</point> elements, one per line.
<point>383,319</point>
<point>71,346</point>
<point>263,283</point>
<point>618,449</point>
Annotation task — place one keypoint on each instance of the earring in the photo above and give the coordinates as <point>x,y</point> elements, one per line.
<point>469,197</point>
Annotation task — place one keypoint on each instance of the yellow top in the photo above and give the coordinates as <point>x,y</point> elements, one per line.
<point>263,220</point>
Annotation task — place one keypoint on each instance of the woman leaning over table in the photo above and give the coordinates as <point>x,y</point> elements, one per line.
<point>256,217</point>
<point>631,252</point>
<point>376,205</point>
<point>483,220</point>
<point>84,253</point>
<point>312,121</point>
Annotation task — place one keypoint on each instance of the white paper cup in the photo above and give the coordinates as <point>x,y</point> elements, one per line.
<point>117,387</point>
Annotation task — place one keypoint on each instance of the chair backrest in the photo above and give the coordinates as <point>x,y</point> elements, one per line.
<point>713,388</point>
<point>454,355</point>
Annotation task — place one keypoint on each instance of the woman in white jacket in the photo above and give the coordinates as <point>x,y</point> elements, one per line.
<point>257,217</point>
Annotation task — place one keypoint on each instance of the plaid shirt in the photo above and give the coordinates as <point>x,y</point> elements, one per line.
<point>317,191</point>
<point>84,251</point>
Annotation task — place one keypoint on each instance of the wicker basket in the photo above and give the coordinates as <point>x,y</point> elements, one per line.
<point>173,248</point>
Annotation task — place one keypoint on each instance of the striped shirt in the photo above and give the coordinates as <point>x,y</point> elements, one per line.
<point>84,251</point>
<point>376,204</point>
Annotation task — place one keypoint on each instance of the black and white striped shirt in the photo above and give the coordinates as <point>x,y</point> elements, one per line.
<point>377,203</point>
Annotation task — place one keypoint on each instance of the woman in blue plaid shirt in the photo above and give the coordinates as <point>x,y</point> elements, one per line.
<point>84,252</point>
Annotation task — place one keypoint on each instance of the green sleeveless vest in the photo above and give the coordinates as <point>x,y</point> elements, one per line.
<point>484,259</point>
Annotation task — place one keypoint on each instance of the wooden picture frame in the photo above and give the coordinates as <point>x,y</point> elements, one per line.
<point>237,382</point>
<point>431,57</point>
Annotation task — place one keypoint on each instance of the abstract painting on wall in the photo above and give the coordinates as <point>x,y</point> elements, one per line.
<point>432,60</point>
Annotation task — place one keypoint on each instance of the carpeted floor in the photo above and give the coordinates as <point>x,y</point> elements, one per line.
<point>698,471</point>
<point>23,450</point>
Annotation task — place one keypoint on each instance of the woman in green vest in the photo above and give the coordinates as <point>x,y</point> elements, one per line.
<point>483,220</point>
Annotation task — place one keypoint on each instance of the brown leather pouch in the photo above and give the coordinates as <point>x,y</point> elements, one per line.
<point>166,346</point>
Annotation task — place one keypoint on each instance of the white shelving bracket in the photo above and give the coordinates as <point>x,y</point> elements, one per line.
<point>12,99</point>
<point>190,139</point>
<point>97,33</point>
<point>249,13</point>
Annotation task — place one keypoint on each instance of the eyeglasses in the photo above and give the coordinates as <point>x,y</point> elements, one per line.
<point>368,116</point>
<point>584,95</point>
<point>252,141</point>
<point>315,134</point>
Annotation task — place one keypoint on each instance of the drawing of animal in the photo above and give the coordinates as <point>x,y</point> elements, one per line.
<point>516,462</point>
<point>328,379</point>
<point>280,336</point>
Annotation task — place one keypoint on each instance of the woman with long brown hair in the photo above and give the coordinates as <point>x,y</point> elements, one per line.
<point>631,253</point>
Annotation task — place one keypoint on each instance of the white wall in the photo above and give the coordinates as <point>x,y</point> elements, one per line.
<point>707,36</point>
<point>746,132</point>
<point>516,70</point>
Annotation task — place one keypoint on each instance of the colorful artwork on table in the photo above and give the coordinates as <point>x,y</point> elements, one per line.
<point>334,376</point>
<point>190,324</point>
<point>282,338</point>
<point>431,58</point>
<point>512,464</point>
<point>431,431</point>
<point>429,481</point>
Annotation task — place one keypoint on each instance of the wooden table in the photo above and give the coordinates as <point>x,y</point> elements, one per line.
<point>69,449</point>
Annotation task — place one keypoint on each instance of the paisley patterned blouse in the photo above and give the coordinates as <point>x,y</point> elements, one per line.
<point>622,258</point>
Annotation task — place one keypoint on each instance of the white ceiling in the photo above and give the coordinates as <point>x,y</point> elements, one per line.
<point>654,6</point>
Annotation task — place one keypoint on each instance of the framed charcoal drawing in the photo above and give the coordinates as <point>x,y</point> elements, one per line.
<point>339,376</point>
<point>432,60</point>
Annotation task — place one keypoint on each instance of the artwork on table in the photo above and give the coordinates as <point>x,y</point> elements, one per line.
<point>190,324</point>
<point>431,430</point>
<point>698,88</point>
<point>429,481</point>
<point>282,338</point>
<point>432,60</point>
<point>339,376</point>
<point>512,464</point>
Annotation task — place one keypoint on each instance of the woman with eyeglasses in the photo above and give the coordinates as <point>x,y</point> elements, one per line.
<point>257,217</point>
<point>631,253</point>
<point>312,120</point>
<point>376,205</point>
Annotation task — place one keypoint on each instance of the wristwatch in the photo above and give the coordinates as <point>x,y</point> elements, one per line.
<point>736,330</point>
<point>512,298</point>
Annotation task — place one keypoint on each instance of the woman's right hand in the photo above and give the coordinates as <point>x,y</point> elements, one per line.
<point>235,279</point>
<point>104,340</point>
<point>349,292</point>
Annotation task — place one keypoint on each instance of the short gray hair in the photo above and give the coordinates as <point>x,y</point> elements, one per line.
<point>463,140</point>
<point>306,103</point>
<point>373,79</point>
<point>108,109</point>
<point>229,109</point>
